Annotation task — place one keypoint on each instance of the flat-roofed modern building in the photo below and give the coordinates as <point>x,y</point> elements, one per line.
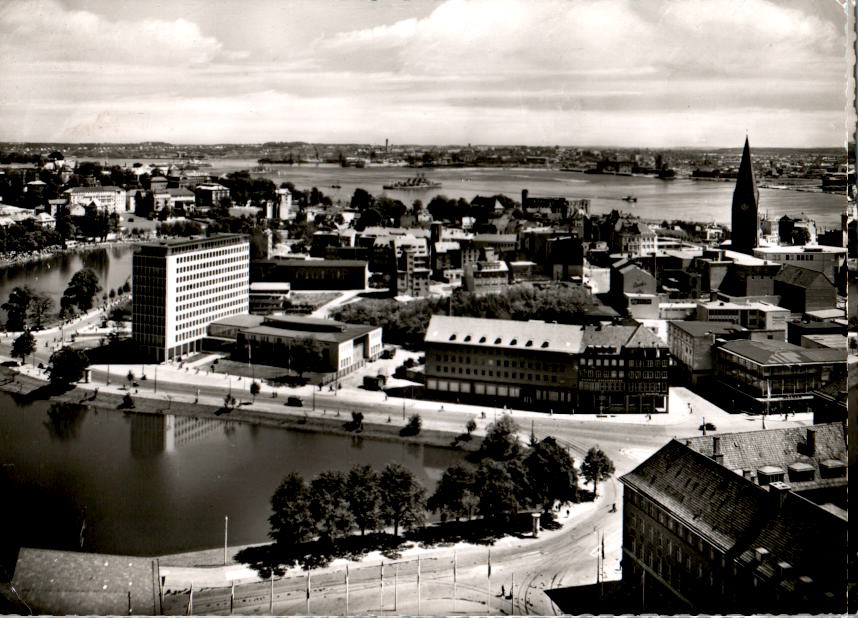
<point>774,376</point>
<point>344,347</point>
<point>182,285</point>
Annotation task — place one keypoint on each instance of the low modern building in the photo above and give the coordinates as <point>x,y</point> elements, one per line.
<point>268,298</point>
<point>757,316</point>
<point>741,523</point>
<point>182,285</point>
<point>344,347</point>
<point>774,376</point>
<point>210,194</point>
<point>691,344</point>
<point>313,274</point>
<point>824,259</point>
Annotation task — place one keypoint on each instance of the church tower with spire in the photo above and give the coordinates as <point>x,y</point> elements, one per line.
<point>745,232</point>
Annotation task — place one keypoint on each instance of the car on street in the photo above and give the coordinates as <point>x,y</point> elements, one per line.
<point>294,401</point>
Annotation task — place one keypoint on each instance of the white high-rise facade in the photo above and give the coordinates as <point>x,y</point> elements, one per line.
<point>182,285</point>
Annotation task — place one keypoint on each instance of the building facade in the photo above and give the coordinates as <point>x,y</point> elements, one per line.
<point>105,199</point>
<point>774,376</point>
<point>312,274</point>
<point>691,344</point>
<point>182,285</point>
<point>740,523</point>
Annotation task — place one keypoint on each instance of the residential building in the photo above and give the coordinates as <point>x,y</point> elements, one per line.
<point>408,276</point>
<point>210,194</point>
<point>773,376</point>
<point>105,199</point>
<point>691,344</point>
<point>181,286</point>
<point>634,290</point>
<point>740,523</point>
<point>796,329</point>
<point>623,369</point>
<point>745,222</point>
<point>312,274</point>
<point>486,277</point>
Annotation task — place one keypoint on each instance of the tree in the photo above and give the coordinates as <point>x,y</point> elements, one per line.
<point>17,308</point>
<point>40,306</point>
<point>304,354</point>
<point>127,401</point>
<point>470,426</point>
<point>402,498</point>
<point>82,288</point>
<point>329,505</point>
<point>254,389</point>
<point>412,428</point>
<point>497,492</point>
<point>364,497</point>
<point>454,496</point>
<point>551,474</point>
<point>23,346</point>
<point>596,467</point>
<point>501,442</point>
<point>67,365</point>
<point>291,521</point>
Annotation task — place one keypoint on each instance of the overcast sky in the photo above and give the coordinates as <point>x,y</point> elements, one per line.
<point>655,73</point>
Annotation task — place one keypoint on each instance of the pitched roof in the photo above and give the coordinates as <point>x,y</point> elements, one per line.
<point>751,450</point>
<point>746,185</point>
<point>774,352</point>
<point>800,277</point>
<point>737,515</point>
<point>638,336</point>
<point>511,334</point>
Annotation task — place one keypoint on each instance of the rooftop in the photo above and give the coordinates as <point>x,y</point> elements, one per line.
<point>800,277</point>
<point>773,352</point>
<point>724,304</point>
<point>700,328</point>
<point>512,334</point>
<point>794,249</point>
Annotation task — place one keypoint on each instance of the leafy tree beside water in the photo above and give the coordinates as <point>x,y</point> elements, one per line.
<point>23,346</point>
<point>329,505</point>
<point>17,308</point>
<point>67,365</point>
<point>82,289</point>
<point>364,497</point>
<point>291,521</point>
<point>402,498</point>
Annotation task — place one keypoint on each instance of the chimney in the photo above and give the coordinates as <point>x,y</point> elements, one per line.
<point>746,473</point>
<point>780,491</point>
<point>783,569</point>
<point>811,441</point>
<point>717,455</point>
<point>760,554</point>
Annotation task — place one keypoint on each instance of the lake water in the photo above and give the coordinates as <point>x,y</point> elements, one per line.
<point>154,484</point>
<point>686,199</point>
<point>51,276</point>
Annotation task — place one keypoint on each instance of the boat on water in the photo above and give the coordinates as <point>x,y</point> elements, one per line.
<point>630,198</point>
<point>415,182</point>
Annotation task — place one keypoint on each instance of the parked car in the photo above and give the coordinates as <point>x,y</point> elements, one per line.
<point>294,401</point>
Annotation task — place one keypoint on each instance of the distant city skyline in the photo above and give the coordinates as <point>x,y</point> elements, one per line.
<point>648,74</point>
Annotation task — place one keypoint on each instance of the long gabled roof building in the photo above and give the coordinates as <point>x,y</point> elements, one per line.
<point>739,523</point>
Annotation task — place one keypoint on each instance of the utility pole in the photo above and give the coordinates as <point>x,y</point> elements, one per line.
<point>418,584</point>
<point>225,536</point>
<point>512,594</point>
<point>156,378</point>
<point>347,590</point>
<point>454,581</point>
<point>271,596</point>
<point>308,593</point>
<point>395,581</point>
<point>381,593</point>
<point>489,600</point>
<point>232,598</point>
<point>191,601</point>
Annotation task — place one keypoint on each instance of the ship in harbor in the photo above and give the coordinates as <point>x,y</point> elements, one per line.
<point>415,182</point>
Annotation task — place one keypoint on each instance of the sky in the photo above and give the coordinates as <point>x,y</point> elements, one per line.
<point>636,73</point>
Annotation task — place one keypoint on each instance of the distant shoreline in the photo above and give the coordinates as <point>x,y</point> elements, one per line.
<point>46,254</point>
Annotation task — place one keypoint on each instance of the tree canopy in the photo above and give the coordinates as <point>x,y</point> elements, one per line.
<point>454,496</point>
<point>402,498</point>
<point>67,365</point>
<point>17,308</point>
<point>82,289</point>
<point>329,505</point>
<point>23,346</point>
<point>364,497</point>
<point>596,467</point>
<point>291,521</point>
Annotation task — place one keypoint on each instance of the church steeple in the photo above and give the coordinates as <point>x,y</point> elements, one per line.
<point>745,234</point>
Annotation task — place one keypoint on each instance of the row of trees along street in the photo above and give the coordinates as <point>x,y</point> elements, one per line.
<point>313,523</point>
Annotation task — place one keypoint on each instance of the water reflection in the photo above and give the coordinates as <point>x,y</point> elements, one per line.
<point>153,434</point>
<point>64,420</point>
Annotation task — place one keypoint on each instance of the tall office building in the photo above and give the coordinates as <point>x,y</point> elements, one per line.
<point>745,233</point>
<point>182,285</point>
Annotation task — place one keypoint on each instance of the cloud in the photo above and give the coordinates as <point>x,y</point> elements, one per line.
<point>45,30</point>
